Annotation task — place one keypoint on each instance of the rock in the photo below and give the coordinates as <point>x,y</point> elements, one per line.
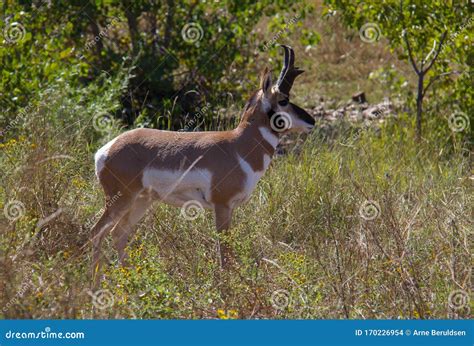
<point>355,112</point>
<point>356,115</point>
<point>376,112</point>
<point>359,97</point>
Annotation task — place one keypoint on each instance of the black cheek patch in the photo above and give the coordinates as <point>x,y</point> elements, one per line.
<point>270,113</point>
<point>302,114</point>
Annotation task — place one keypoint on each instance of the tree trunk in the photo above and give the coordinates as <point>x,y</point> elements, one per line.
<point>96,32</point>
<point>133,29</point>
<point>169,23</point>
<point>419,106</point>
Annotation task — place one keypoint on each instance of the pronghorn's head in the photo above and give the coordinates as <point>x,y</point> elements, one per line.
<point>275,99</point>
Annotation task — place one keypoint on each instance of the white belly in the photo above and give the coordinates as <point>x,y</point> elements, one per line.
<point>178,187</point>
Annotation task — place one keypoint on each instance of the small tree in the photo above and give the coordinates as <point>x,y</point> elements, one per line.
<point>425,30</point>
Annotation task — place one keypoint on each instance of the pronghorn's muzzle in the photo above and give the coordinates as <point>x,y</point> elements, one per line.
<point>303,116</point>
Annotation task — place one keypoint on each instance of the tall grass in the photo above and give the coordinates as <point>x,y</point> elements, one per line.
<point>365,224</point>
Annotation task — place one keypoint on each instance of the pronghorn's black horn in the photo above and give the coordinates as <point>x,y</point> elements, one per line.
<point>289,72</point>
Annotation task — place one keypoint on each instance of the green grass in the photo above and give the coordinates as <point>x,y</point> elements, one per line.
<point>301,248</point>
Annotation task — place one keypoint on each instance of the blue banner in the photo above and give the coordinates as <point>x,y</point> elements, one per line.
<point>218,332</point>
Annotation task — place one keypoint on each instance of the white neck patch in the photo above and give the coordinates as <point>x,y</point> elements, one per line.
<point>270,137</point>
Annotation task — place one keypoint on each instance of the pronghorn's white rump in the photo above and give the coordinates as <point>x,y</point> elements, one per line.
<point>217,170</point>
<point>101,155</point>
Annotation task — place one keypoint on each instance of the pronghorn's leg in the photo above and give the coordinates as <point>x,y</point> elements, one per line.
<point>223,216</point>
<point>122,231</point>
<point>98,232</point>
<point>112,214</point>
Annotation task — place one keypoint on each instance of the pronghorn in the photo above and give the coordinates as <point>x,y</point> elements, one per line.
<point>216,169</point>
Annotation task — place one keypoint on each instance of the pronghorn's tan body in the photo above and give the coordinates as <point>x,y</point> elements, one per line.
<point>225,166</point>
<point>218,170</point>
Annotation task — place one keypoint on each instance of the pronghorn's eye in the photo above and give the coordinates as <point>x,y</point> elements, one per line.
<point>283,102</point>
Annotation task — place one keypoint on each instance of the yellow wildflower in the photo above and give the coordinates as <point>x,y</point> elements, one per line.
<point>221,314</point>
<point>227,314</point>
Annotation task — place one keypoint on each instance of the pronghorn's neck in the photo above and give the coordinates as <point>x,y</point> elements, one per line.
<point>257,141</point>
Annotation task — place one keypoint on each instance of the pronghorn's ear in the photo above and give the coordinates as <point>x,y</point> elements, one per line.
<point>266,82</point>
